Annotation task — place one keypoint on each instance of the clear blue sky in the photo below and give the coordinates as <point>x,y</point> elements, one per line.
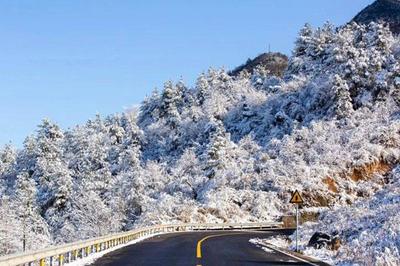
<point>68,60</point>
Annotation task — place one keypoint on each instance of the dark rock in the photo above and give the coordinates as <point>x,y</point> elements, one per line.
<point>319,240</point>
<point>322,240</point>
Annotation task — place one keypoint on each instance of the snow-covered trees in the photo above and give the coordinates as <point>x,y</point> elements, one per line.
<point>226,149</point>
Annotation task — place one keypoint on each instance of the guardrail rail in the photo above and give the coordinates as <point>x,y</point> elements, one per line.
<point>66,253</point>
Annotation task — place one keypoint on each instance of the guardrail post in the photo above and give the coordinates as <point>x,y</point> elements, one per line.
<point>75,254</point>
<point>60,259</point>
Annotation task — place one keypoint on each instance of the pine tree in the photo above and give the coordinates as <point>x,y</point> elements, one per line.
<point>150,109</point>
<point>202,88</point>
<point>303,40</point>
<point>169,104</point>
<point>216,150</point>
<point>51,172</point>
<point>7,158</point>
<point>34,232</point>
<point>343,105</point>
<point>10,227</point>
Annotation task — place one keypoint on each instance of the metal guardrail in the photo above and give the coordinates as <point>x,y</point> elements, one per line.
<point>66,253</point>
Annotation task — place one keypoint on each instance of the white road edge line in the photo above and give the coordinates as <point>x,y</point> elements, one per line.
<point>270,246</point>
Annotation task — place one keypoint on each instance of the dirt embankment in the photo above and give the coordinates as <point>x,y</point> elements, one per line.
<point>336,184</point>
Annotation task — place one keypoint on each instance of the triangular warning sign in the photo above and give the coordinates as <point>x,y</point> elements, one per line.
<point>296,198</point>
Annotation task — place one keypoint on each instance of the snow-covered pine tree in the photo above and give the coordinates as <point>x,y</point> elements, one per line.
<point>8,157</point>
<point>51,172</point>
<point>10,227</point>
<point>202,88</point>
<point>33,230</point>
<point>343,102</point>
<point>169,102</point>
<point>303,40</point>
<point>216,149</point>
<point>150,109</point>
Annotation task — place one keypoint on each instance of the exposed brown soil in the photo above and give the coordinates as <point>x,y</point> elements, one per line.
<point>356,174</point>
<point>362,173</point>
<point>367,171</point>
<point>331,183</point>
<point>289,221</point>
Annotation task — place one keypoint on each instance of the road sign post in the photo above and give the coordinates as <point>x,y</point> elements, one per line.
<point>297,199</point>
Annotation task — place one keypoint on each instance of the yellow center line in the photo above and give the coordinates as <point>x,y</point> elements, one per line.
<point>198,249</point>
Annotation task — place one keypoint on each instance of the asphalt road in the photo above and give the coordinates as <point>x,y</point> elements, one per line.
<point>216,248</point>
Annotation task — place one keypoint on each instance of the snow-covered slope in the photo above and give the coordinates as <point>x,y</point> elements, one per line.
<point>369,230</point>
<point>228,149</point>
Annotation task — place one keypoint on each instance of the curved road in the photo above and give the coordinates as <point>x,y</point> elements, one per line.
<point>207,248</point>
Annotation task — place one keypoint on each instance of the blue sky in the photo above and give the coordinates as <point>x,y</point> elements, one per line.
<point>68,60</point>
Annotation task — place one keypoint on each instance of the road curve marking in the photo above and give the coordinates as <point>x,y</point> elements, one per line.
<point>198,248</point>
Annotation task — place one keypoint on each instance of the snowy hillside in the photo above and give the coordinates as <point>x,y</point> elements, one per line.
<point>369,230</point>
<point>228,149</point>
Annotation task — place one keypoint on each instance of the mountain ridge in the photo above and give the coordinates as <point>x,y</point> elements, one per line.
<point>387,11</point>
